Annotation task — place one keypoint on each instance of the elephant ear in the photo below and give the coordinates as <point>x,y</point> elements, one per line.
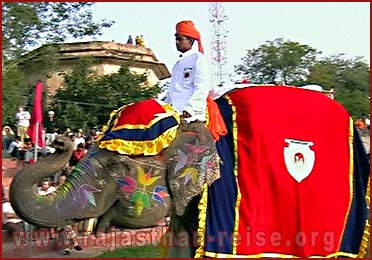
<point>192,161</point>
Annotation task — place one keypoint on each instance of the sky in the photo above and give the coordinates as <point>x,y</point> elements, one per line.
<point>332,28</point>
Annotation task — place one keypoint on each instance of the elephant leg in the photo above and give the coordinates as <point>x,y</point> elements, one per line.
<point>183,232</point>
<point>104,221</point>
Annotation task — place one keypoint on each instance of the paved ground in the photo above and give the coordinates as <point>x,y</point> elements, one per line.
<point>86,253</point>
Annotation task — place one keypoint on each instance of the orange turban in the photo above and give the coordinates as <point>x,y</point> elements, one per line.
<point>187,28</point>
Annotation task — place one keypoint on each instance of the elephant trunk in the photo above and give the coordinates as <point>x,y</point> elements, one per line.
<point>43,211</point>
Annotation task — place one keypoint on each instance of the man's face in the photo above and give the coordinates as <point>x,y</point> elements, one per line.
<point>45,185</point>
<point>183,43</point>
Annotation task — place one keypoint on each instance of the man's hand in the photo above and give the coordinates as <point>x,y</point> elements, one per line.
<point>185,114</point>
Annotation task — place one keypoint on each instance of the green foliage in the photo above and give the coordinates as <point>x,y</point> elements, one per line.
<point>86,99</point>
<point>13,87</point>
<point>27,25</point>
<point>277,61</point>
<point>355,102</point>
<point>292,63</point>
<point>348,77</point>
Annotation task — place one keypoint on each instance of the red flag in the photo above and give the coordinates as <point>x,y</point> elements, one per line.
<point>35,130</point>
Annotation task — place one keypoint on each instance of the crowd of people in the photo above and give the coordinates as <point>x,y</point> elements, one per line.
<point>18,145</point>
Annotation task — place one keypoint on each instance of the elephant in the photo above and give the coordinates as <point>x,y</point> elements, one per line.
<point>273,171</point>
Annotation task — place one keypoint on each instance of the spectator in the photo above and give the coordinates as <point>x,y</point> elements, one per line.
<point>141,41</point>
<point>11,222</point>
<point>23,122</point>
<point>137,40</point>
<point>26,151</point>
<point>61,181</point>
<point>50,129</point>
<point>72,138</point>
<point>79,137</point>
<point>68,132</point>
<point>15,151</point>
<point>130,40</point>
<point>88,145</point>
<point>69,237</point>
<point>14,146</point>
<point>92,136</point>
<point>367,121</point>
<point>46,188</point>
<point>8,137</point>
<point>78,154</point>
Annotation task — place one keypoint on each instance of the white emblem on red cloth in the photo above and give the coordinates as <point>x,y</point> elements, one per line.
<point>299,158</point>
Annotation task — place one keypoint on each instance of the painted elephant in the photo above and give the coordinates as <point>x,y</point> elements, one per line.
<point>121,190</point>
<point>290,165</point>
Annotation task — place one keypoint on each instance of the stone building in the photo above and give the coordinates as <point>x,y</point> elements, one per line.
<point>108,57</point>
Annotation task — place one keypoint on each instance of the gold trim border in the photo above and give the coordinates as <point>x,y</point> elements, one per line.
<point>150,147</point>
<point>202,206</point>
<point>364,244</point>
<point>351,176</point>
<point>238,194</point>
<point>276,255</point>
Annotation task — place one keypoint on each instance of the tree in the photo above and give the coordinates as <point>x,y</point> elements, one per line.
<point>86,99</point>
<point>277,61</point>
<point>12,96</point>
<point>348,77</point>
<point>28,25</point>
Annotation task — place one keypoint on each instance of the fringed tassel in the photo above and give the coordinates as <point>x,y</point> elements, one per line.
<point>202,222</point>
<point>216,125</point>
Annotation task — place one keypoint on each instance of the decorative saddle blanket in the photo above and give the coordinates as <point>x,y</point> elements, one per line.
<point>288,185</point>
<point>142,128</point>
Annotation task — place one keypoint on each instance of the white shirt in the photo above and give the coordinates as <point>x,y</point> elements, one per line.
<point>23,118</point>
<point>7,208</point>
<point>190,85</point>
<point>78,140</point>
<point>13,145</point>
<point>51,189</point>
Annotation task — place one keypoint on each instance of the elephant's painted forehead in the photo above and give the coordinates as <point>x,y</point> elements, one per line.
<point>157,161</point>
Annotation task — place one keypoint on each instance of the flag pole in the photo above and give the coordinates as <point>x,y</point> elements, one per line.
<point>36,140</point>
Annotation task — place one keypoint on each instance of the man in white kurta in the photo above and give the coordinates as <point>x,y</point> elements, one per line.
<point>190,82</point>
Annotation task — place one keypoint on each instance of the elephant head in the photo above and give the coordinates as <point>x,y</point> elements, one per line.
<point>122,190</point>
